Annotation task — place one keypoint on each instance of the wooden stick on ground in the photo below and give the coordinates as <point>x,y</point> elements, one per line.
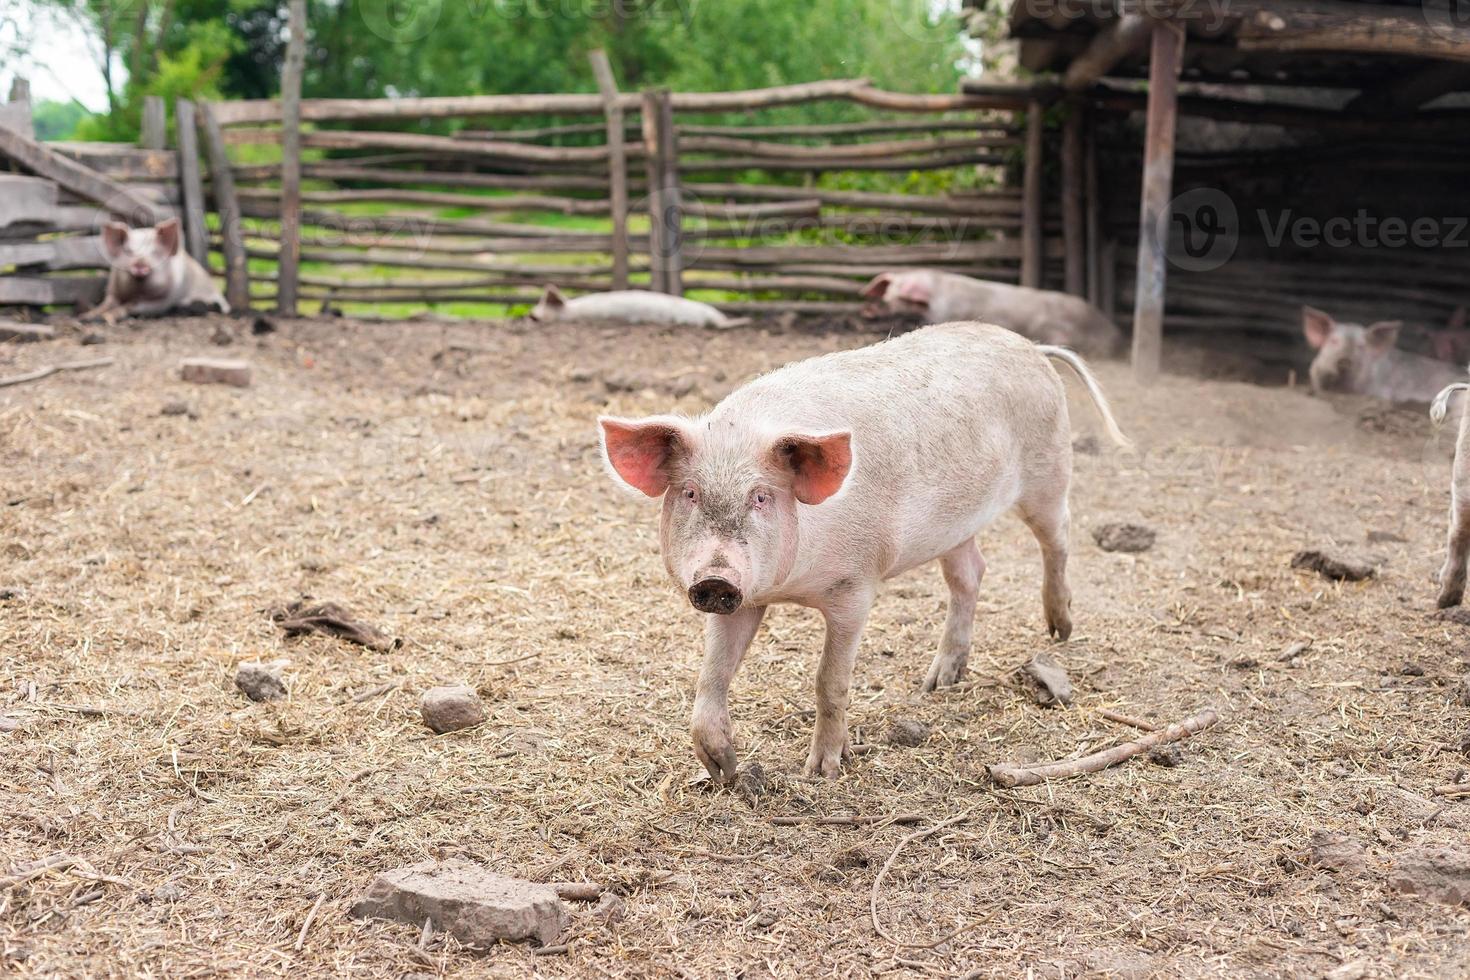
<point>46,372</point>
<point>846,821</point>
<point>883,872</point>
<point>1130,721</point>
<point>310,918</point>
<point>1008,775</point>
<point>1453,789</point>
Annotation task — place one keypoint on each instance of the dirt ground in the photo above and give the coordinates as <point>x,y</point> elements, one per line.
<point>443,482</point>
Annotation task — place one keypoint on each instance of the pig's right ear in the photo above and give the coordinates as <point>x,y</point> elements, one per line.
<point>114,237</point>
<point>1317,326</point>
<point>818,463</point>
<point>642,452</point>
<point>553,298</point>
<point>878,286</point>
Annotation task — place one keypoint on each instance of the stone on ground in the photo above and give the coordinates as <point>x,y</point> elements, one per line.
<point>474,905</point>
<point>262,680</point>
<point>1052,685</point>
<point>1127,538</point>
<point>450,708</point>
<point>908,732</point>
<point>1439,873</point>
<point>1339,568</point>
<point>215,371</point>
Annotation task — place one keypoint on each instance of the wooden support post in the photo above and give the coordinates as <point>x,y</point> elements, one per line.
<point>1032,252</point>
<point>653,162</point>
<point>617,165</point>
<point>673,204</point>
<point>1166,54</point>
<point>1094,213</point>
<point>288,263</point>
<point>1074,234</point>
<point>1107,289</point>
<point>16,113</point>
<point>227,206</point>
<point>191,184</point>
<point>154,134</point>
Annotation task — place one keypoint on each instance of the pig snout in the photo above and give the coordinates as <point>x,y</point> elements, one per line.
<point>715,595</point>
<point>140,270</point>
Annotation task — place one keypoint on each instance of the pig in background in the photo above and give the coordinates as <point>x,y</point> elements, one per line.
<point>815,483</point>
<point>152,275</point>
<point>1452,574</point>
<point>629,306</point>
<point>1360,360</point>
<point>1042,315</point>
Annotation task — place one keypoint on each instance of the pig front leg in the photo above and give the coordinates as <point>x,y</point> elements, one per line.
<point>726,638</point>
<point>963,568</point>
<point>846,615</point>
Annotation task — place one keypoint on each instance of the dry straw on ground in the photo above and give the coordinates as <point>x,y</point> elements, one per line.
<point>442,482</point>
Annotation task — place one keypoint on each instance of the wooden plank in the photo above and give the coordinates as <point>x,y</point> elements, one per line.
<point>1093,200</point>
<point>52,290</point>
<point>851,151</point>
<point>43,161</point>
<point>227,206</point>
<point>289,259</point>
<point>121,161</point>
<point>653,168</point>
<point>393,195</point>
<point>191,184</point>
<point>1124,37</point>
<point>617,164</point>
<point>1032,260</point>
<point>342,139</point>
<point>53,254</point>
<point>1166,56</point>
<point>673,209</point>
<point>1407,94</point>
<point>1414,31</point>
<point>154,134</point>
<point>16,113</point>
<point>334,171</point>
<point>1074,233</point>
<point>25,199</point>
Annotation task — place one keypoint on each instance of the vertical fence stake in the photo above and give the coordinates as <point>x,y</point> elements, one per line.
<point>658,275</point>
<point>288,262</point>
<point>1074,235</point>
<point>227,206</point>
<point>191,185</point>
<point>1094,214</point>
<point>154,132</point>
<point>1158,177</point>
<point>1032,245</point>
<point>673,205</point>
<point>617,165</point>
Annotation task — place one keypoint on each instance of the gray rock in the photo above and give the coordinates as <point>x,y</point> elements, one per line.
<point>1339,568</point>
<point>8,724</point>
<point>450,708</point>
<point>262,680</point>
<point>1127,538</point>
<point>1338,852</point>
<point>474,905</point>
<point>1053,686</point>
<point>908,732</point>
<point>1438,873</point>
<point>223,336</point>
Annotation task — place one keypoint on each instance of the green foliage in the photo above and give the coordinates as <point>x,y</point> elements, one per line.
<point>57,120</point>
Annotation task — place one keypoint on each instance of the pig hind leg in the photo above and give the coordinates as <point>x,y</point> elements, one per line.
<point>1452,575</point>
<point>1045,512</point>
<point>963,569</point>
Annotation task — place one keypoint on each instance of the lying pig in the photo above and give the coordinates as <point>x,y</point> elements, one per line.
<point>813,484</point>
<point>1366,361</point>
<point>151,274</point>
<point>630,306</point>
<point>1044,316</point>
<point>1452,575</point>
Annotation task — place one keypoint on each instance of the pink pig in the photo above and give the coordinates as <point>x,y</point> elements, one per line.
<point>1457,551</point>
<point>1362,360</point>
<point>1045,316</point>
<point>813,484</point>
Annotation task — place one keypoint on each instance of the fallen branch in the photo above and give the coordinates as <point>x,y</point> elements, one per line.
<point>1008,775</point>
<point>54,862</point>
<point>310,918</point>
<point>1128,720</point>
<point>578,891</point>
<point>883,872</point>
<point>1453,790</point>
<point>848,821</point>
<point>46,372</point>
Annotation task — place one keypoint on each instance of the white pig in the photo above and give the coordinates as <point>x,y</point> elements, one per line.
<point>630,306</point>
<point>1366,361</point>
<point>1452,574</point>
<point>813,484</point>
<point>1043,315</point>
<point>151,274</point>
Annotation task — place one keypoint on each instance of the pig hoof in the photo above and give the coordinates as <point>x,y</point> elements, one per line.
<point>1450,597</point>
<point>717,753</point>
<point>943,673</point>
<point>825,763</point>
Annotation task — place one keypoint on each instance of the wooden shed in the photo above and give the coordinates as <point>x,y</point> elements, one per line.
<point>1223,162</point>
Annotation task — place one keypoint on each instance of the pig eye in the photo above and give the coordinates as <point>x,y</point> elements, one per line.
<point>690,494</point>
<point>760,498</point>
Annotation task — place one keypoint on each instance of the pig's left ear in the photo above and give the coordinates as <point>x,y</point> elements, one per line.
<point>877,286</point>
<point>1384,336</point>
<point>166,234</point>
<point>641,452</point>
<point>114,237</point>
<point>819,463</point>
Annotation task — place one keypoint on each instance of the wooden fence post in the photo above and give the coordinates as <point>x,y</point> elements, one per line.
<point>1074,234</point>
<point>288,263</point>
<point>1032,246</point>
<point>16,113</point>
<point>673,204</point>
<point>191,184</point>
<point>1094,215</point>
<point>658,279</point>
<point>154,133</point>
<point>617,165</point>
<point>227,206</point>
<point>1153,214</point>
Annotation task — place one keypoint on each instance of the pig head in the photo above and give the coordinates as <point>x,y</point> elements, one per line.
<point>1360,360</point>
<point>728,530</point>
<point>549,308</point>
